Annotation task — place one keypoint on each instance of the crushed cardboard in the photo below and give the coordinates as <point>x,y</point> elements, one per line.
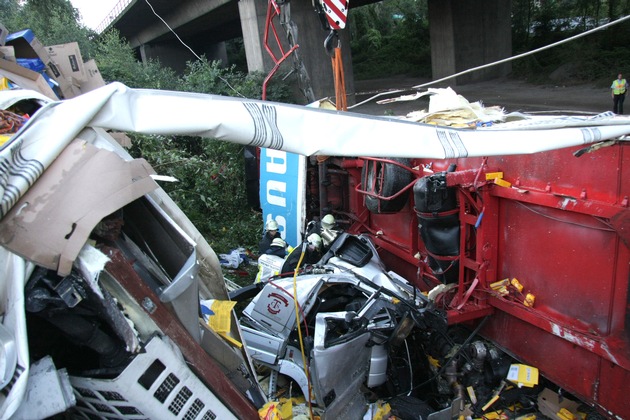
<point>8,53</point>
<point>26,78</point>
<point>3,34</point>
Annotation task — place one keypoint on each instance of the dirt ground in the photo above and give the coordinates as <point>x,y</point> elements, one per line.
<point>512,95</point>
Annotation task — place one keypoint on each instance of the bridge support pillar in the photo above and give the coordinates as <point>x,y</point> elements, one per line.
<point>467,34</point>
<point>311,50</point>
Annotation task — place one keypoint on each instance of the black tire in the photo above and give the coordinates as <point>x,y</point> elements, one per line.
<point>395,179</point>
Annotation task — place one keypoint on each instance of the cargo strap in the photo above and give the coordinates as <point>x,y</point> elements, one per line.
<point>340,82</point>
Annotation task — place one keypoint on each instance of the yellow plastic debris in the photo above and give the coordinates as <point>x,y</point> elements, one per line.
<point>270,411</point>
<point>4,138</point>
<point>517,284</point>
<point>433,362</point>
<point>489,403</point>
<point>380,411</point>
<point>498,284</point>
<point>494,415</point>
<point>218,316</point>
<point>529,300</point>
<point>494,175</point>
<point>502,183</point>
<point>523,375</point>
<point>565,414</point>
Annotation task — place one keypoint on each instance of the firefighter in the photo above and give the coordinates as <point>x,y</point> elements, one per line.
<point>271,232</point>
<point>312,249</point>
<point>278,248</point>
<point>326,229</point>
<point>327,222</point>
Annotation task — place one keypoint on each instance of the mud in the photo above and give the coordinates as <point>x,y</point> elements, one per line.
<point>512,95</point>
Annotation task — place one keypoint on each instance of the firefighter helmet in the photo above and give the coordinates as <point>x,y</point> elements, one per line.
<point>272,225</point>
<point>315,240</point>
<point>328,222</point>
<point>278,242</point>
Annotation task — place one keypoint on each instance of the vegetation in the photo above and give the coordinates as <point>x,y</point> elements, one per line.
<point>388,38</point>
<point>211,186</point>
<point>392,38</point>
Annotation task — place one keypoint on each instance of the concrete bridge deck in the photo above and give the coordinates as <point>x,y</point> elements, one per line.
<point>464,34</point>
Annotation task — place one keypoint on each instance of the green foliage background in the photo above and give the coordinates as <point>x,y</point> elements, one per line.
<point>211,187</point>
<point>388,38</point>
<point>392,38</point>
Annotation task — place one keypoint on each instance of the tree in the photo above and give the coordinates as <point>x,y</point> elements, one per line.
<point>390,38</point>
<point>52,21</point>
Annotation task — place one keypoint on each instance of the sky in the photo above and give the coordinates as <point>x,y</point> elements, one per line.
<point>93,11</point>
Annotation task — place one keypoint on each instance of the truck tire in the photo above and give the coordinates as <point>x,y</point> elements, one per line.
<point>394,179</point>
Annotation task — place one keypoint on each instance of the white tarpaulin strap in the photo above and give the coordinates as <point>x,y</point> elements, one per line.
<point>291,128</point>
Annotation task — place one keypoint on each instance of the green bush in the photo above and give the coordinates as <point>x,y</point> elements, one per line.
<point>211,174</point>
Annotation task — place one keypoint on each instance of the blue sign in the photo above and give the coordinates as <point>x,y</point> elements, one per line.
<point>282,192</point>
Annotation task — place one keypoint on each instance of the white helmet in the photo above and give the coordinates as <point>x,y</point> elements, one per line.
<point>278,242</point>
<point>272,225</point>
<point>315,240</point>
<point>328,222</point>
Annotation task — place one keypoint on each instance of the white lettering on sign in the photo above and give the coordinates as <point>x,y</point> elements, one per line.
<point>276,193</point>
<point>277,161</point>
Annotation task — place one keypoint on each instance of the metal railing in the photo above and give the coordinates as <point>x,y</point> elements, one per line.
<point>113,14</point>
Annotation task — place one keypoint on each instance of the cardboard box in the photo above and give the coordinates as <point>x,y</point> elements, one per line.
<point>8,53</point>
<point>25,78</point>
<point>67,59</point>
<point>70,88</point>
<point>3,34</point>
<point>550,404</point>
<point>26,45</point>
<point>94,78</point>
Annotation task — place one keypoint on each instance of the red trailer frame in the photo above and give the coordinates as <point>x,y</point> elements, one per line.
<point>561,227</point>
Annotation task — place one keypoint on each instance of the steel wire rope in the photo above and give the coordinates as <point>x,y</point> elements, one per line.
<point>502,61</point>
<point>568,222</point>
<point>525,54</point>
<point>190,49</point>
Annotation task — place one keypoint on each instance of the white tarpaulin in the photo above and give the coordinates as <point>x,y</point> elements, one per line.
<point>291,128</point>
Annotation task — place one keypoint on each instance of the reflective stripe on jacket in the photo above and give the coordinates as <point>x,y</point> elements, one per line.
<point>619,87</point>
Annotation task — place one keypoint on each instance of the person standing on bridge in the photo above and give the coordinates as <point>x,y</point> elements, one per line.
<point>619,87</point>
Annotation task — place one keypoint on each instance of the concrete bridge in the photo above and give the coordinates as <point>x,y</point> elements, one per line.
<point>464,34</point>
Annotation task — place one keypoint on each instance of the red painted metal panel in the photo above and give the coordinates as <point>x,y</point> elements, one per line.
<point>574,368</point>
<point>565,260</point>
<point>563,230</point>
<point>614,389</point>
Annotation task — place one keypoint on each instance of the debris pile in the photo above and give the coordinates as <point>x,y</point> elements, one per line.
<point>56,71</point>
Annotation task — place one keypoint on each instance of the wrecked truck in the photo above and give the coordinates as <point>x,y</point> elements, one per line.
<point>102,274</point>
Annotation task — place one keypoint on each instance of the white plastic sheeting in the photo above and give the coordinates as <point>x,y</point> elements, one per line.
<point>290,128</point>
